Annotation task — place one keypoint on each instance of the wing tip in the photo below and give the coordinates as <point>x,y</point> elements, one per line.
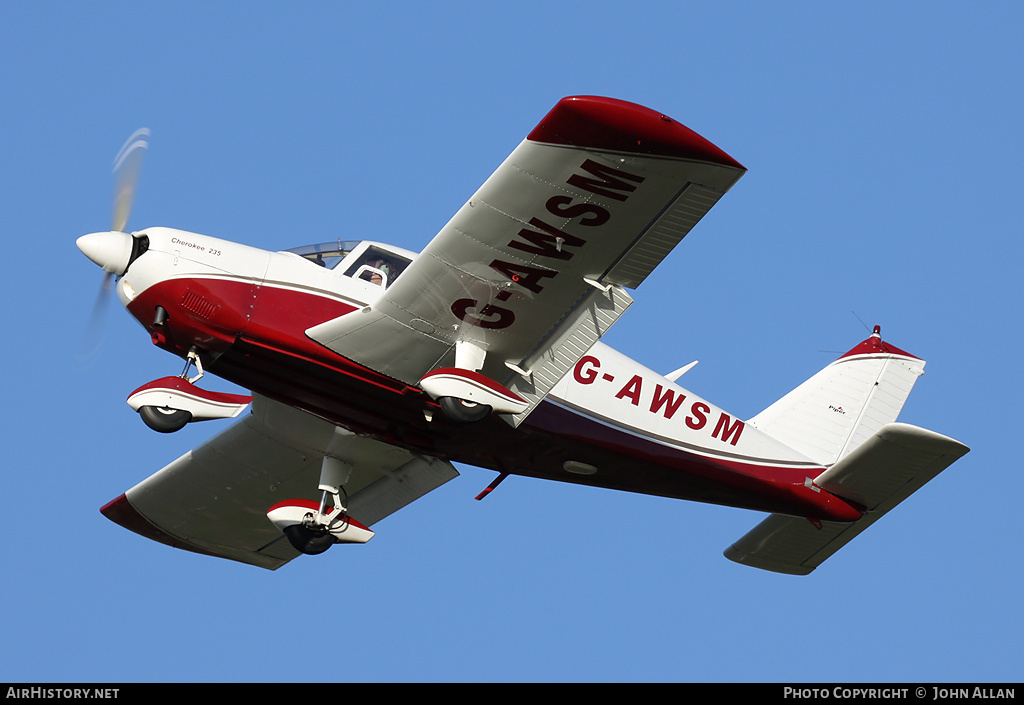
<point>121,512</point>
<point>609,123</point>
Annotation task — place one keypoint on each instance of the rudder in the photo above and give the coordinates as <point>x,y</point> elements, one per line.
<point>843,405</point>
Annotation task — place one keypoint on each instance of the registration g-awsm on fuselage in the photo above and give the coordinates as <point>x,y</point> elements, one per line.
<point>372,368</point>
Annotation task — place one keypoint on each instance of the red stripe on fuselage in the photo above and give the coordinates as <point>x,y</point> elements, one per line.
<point>639,463</point>
<point>272,356</point>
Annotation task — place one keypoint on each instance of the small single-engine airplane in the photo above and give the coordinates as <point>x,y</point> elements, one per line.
<point>373,368</point>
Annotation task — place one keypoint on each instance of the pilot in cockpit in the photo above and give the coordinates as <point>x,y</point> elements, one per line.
<point>378,265</point>
<point>382,267</point>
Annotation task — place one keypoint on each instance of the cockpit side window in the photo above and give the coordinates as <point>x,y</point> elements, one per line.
<point>379,267</point>
<point>368,262</point>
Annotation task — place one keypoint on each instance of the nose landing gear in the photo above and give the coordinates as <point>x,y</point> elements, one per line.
<point>169,403</point>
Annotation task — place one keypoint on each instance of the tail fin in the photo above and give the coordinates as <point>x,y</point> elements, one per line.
<point>843,417</point>
<point>846,403</point>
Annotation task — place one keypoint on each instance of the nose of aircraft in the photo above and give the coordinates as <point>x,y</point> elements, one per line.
<point>111,250</point>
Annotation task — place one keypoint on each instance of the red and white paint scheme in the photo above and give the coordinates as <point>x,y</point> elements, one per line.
<point>472,389</point>
<point>178,397</point>
<point>337,528</point>
<point>372,368</point>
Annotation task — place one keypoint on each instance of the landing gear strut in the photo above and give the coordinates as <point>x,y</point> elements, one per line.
<point>169,403</point>
<point>313,528</point>
<point>166,419</point>
<point>464,393</point>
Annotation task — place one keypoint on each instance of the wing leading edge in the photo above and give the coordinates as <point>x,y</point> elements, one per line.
<point>214,499</point>
<point>533,269</point>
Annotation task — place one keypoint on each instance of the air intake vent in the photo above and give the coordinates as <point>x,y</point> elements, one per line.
<point>198,305</point>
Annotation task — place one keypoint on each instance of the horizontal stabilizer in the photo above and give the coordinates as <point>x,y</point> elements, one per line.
<point>886,469</point>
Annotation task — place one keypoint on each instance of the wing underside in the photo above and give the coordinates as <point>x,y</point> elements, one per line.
<point>214,499</point>
<point>533,269</point>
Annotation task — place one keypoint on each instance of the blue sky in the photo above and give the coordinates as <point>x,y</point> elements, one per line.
<point>883,144</point>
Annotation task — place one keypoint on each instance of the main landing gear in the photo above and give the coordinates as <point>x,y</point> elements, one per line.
<point>169,403</point>
<point>463,411</point>
<point>312,528</point>
<point>464,394</point>
<point>164,419</point>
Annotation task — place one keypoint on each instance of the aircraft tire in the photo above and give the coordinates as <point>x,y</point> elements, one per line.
<point>163,419</point>
<point>462,411</point>
<point>304,540</point>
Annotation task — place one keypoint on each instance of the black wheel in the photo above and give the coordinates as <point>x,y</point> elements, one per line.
<point>164,419</point>
<point>308,541</point>
<point>463,411</point>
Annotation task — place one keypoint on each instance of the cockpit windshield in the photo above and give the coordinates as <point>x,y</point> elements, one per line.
<point>326,254</point>
<point>369,261</point>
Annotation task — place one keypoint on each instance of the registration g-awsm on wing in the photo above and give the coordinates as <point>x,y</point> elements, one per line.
<point>372,369</point>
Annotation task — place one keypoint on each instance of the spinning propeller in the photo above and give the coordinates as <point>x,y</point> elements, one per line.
<point>115,249</point>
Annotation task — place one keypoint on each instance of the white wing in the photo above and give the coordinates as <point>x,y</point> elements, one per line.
<point>214,499</point>
<point>532,270</point>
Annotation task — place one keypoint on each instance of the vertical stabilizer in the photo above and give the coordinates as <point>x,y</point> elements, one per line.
<point>836,410</point>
